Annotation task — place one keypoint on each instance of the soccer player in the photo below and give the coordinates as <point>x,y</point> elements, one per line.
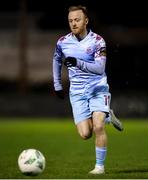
<point>83,52</point>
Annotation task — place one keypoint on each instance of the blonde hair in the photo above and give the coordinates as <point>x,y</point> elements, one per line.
<point>79,7</point>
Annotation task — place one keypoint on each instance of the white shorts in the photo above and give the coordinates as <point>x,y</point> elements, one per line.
<point>83,105</point>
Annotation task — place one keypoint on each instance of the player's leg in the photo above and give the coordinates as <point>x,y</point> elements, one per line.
<point>100,105</point>
<point>81,115</point>
<point>100,141</point>
<point>85,128</point>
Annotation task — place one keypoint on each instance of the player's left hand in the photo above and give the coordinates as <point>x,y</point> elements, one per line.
<point>70,61</point>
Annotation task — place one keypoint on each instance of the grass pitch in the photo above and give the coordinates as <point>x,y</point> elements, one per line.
<point>69,157</point>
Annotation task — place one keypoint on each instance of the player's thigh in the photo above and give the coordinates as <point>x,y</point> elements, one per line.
<point>85,128</point>
<point>80,108</point>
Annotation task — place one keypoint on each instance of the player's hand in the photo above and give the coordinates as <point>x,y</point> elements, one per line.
<point>70,61</point>
<point>60,94</point>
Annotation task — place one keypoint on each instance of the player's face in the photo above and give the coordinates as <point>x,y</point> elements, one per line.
<point>77,22</point>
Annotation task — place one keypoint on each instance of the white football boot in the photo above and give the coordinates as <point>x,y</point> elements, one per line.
<point>116,122</point>
<point>97,170</point>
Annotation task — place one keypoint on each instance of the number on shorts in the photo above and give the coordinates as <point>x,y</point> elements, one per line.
<point>107,98</point>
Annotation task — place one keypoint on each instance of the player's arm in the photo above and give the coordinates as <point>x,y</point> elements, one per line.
<point>96,67</point>
<point>57,66</point>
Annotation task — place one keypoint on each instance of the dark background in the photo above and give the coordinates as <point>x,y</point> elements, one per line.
<point>124,26</point>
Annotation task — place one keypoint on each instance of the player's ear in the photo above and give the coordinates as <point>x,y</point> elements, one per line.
<point>87,20</point>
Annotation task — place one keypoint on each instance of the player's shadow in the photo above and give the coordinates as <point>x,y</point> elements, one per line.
<point>133,170</point>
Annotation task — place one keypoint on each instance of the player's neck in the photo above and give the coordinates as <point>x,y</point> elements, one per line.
<point>82,35</point>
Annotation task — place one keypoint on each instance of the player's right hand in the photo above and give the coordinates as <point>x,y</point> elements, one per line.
<point>60,94</point>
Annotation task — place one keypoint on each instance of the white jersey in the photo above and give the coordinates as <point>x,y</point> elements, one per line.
<point>90,69</point>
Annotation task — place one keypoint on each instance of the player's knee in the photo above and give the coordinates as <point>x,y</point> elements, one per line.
<point>85,135</point>
<point>98,129</point>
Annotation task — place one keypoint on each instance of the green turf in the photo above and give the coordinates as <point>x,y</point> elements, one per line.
<point>69,157</point>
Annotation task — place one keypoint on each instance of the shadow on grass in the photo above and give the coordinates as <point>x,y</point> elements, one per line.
<point>132,170</point>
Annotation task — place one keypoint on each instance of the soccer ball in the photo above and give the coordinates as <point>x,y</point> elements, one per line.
<point>31,162</point>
